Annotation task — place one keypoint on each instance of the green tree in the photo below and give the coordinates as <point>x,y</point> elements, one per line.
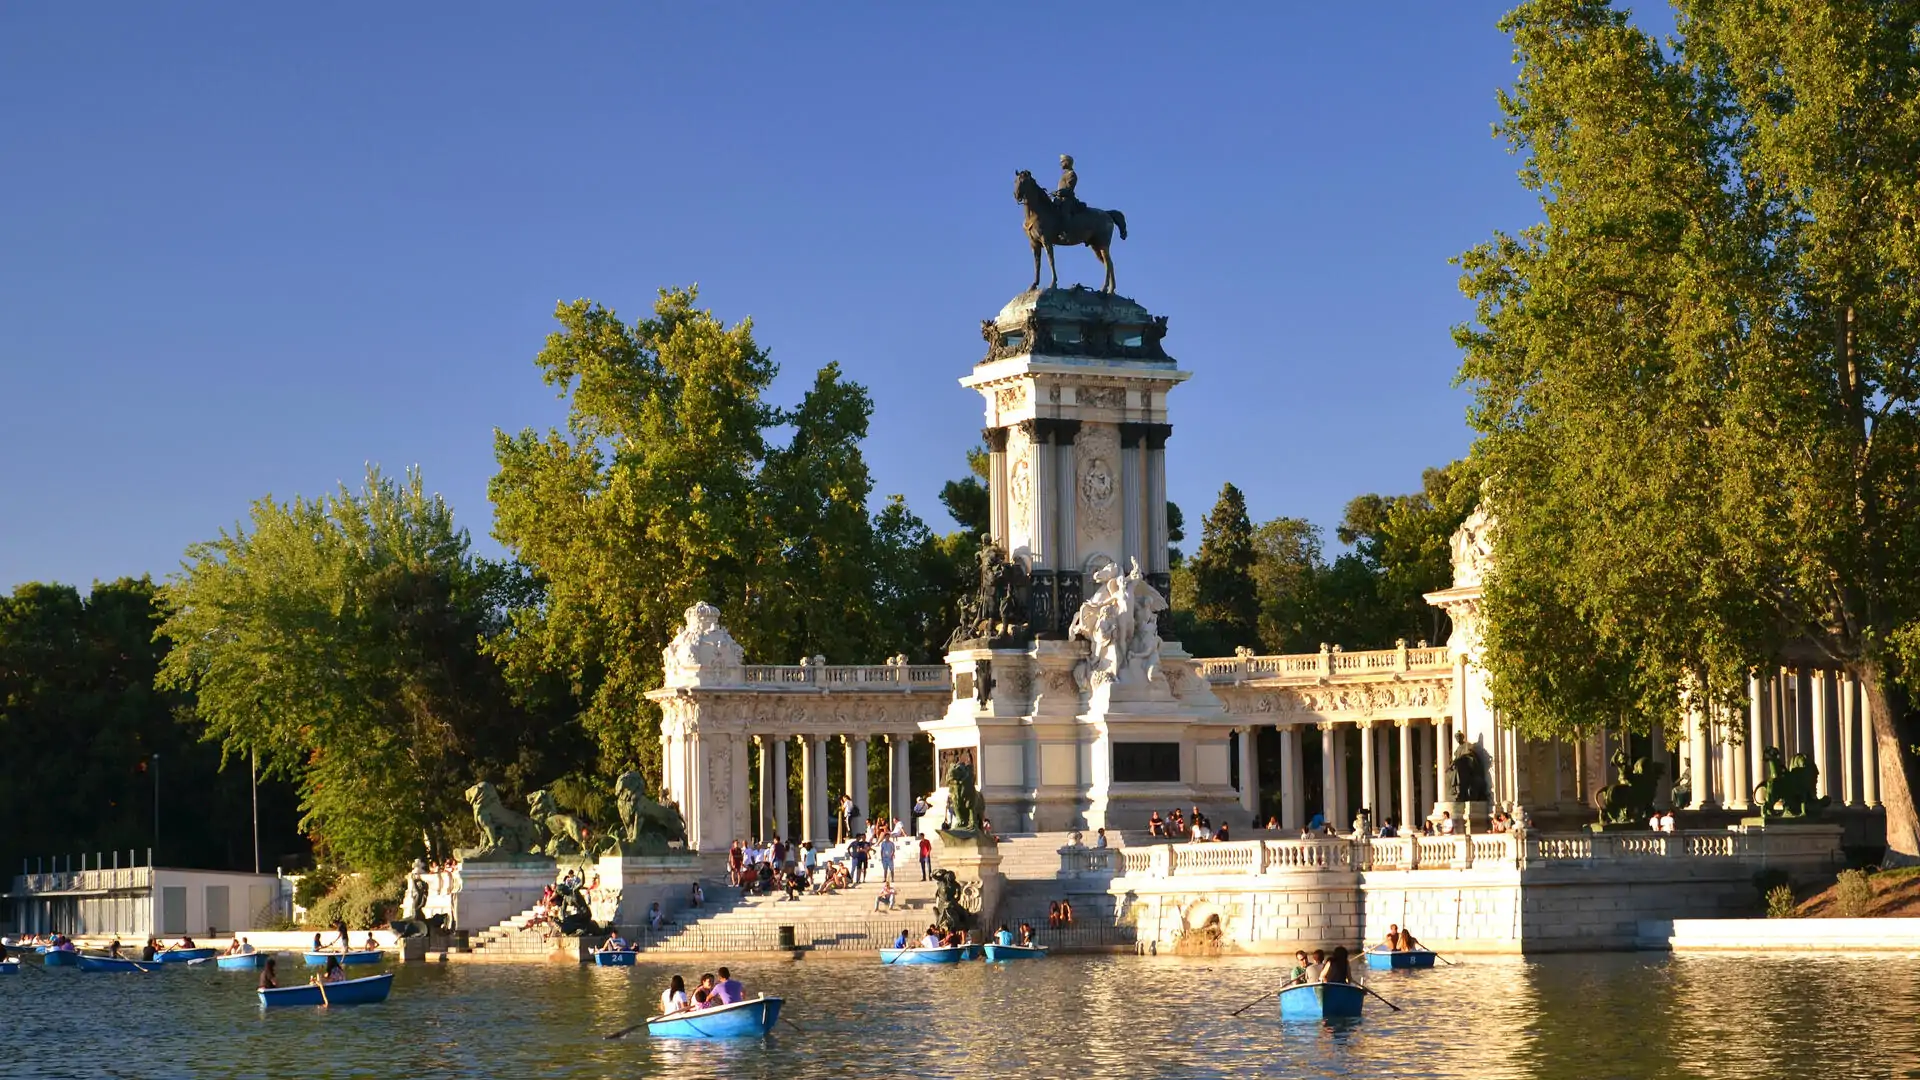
<point>1695,377</point>
<point>339,640</point>
<point>1287,577</point>
<point>1401,550</point>
<point>668,488</point>
<point>77,700</point>
<point>1224,596</point>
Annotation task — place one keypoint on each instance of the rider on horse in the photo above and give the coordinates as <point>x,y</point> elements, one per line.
<point>1066,198</point>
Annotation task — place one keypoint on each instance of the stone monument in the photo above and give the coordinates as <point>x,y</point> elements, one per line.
<point>1069,706</point>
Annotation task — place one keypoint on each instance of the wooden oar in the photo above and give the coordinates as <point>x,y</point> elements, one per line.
<point>321,982</point>
<point>789,1022</point>
<point>1263,997</point>
<point>1383,1001</point>
<point>625,1031</point>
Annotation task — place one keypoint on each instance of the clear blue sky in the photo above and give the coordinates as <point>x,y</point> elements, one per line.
<point>246,250</point>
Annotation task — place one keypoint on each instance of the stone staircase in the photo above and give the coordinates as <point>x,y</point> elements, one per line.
<point>516,938</point>
<point>733,921</point>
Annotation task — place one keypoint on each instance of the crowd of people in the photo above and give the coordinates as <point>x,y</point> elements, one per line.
<point>776,865</point>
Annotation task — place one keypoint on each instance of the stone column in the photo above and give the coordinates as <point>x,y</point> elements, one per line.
<point>1849,740</point>
<point>1814,685</point>
<point>899,795</point>
<point>780,812</point>
<point>1442,756</point>
<point>1759,728</point>
<point>1783,725</point>
<point>1130,498</point>
<point>1803,713</point>
<point>1869,753</point>
<point>1559,750</point>
<point>1329,767</point>
<point>1292,782</point>
<point>1407,771</point>
<point>1426,737</point>
<point>1040,477</point>
<point>813,789</point>
<point>1698,761</point>
<point>1368,788</point>
<point>857,774</point>
<point>997,481</point>
<point>1249,769</point>
<point>1066,539</point>
<point>763,815</point>
<point>1156,560</point>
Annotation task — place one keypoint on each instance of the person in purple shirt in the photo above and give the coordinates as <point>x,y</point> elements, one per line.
<point>729,989</point>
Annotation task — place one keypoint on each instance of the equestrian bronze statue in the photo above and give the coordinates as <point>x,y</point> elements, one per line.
<point>1066,220</point>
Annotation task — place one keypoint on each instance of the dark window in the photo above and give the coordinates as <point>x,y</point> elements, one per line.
<point>1146,763</point>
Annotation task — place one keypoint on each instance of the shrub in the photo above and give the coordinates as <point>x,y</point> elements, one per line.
<point>1780,903</point>
<point>1852,894</point>
<point>314,884</point>
<point>360,900</point>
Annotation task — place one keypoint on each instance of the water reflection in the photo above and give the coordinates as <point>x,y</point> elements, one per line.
<point>1555,1017</point>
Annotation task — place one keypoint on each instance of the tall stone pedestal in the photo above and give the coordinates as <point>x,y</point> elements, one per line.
<point>976,859</point>
<point>485,893</point>
<point>1478,815</point>
<point>629,885</point>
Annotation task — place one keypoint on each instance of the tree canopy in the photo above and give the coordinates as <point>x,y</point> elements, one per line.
<point>339,640</point>
<point>671,485</point>
<point>1695,377</point>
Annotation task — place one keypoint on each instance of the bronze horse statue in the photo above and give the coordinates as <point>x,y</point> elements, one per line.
<point>1048,224</point>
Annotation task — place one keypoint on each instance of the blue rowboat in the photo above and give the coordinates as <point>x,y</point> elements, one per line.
<point>951,954</point>
<point>615,957</point>
<point>357,956</point>
<point>370,990</point>
<point>1321,1001</point>
<point>1399,959</point>
<point>109,963</point>
<point>1014,952</point>
<point>241,961</point>
<point>10,967</point>
<point>60,957</point>
<point>740,1020</point>
<point>182,956</point>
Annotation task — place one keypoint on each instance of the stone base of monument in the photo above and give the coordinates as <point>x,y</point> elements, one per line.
<point>1477,813</point>
<point>485,893</point>
<point>975,858</point>
<point>629,885</point>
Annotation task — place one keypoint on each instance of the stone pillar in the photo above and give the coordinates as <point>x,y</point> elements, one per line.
<point>1329,769</point>
<point>1559,749</point>
<point>1156,560</point>
<point>763,814</point>
<point>1292,781</point>
<point>1249,770</point>
<point>1813,683</point>
<point>899,784</point>
<point>1783,725</point>
<point>1869,754</point>
<point>1368,788</point>
<point>1803,713</point>
<point>1699,762</point>
<point>1066,539</point>
<point>780,812</point>
<point>997,481</point>
<point>1130,518</point>
<point>1407,771</point>
<point>1759,729</point>
<point>1426,737</point>
<point>1040,479</point>
<point>813,790</point>
<point>857,774</point>
<point>1849,740</point>
<point>1442,756</point>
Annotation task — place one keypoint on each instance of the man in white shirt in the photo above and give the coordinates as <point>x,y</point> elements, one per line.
<point>1446,823</point>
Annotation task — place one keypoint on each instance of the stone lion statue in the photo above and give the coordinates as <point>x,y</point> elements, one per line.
<point>504,833</point>
<point>1788,791</point>
<point>1629,800</point>
<point>963,799</point>
<point>646,827</point>
<point>566,835</point>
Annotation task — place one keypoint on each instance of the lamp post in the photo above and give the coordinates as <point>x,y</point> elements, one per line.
<point>255,772</point>
<point>156,805</point>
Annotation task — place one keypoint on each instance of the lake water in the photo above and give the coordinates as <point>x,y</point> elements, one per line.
<point>1556,1018</point>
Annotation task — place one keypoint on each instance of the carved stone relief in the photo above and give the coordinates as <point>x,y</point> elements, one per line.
<point>1008,398</point>
<point>1097,464</point>
<point>1103,397</point>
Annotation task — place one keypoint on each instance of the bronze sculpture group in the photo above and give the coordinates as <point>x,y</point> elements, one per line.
<point>1061,218</point>
<point>646,827</point>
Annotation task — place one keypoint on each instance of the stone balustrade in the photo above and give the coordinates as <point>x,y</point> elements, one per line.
<point>862,675</point>
<point>1327,664</point>
<point>1257,857</point>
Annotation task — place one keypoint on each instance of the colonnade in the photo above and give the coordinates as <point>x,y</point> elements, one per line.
<point>817,810</point>
<point>1819,712</point>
